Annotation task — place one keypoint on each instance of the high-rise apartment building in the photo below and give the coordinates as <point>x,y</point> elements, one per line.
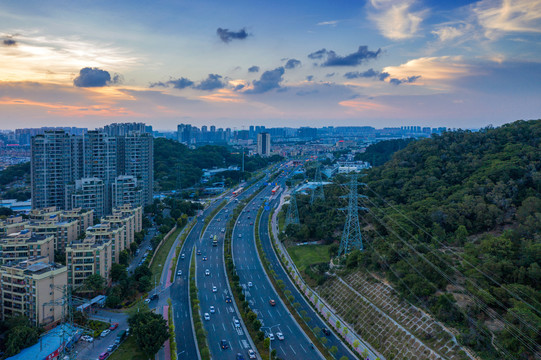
<point>84,170</point>
<point>25,244</point>
<point>33,288</point>
<point>264,144</point>
<point>136,158</point>
<point>51,168</point>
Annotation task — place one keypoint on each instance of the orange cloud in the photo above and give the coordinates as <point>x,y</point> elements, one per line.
<point>71,110</point>
<point>359,105</point>
<point>223,96</point>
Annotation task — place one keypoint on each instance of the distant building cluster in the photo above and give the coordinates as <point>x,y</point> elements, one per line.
<point>98,169</point>
<point>31,283</point>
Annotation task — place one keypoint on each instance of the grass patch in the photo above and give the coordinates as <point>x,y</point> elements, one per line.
<point>128,350</point>
<point>306,255</point>
<point>157,265</point>
<point>97,326</point>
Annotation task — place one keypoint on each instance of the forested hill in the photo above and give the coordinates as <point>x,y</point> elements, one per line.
<point>172,158</point>
<point>379,153</point>
<point>455,222</point>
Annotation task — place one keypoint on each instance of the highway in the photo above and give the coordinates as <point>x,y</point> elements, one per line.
<point>221,324</point>
<point>332,339</point>
<point>275,318</point>
<point>180,296</point>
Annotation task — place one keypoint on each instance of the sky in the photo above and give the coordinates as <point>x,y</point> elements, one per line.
<point>381,63</point>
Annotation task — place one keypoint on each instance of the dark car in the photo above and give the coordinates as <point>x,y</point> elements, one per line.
<point>239,356</point>
<point>228,300</point>
<point>224,345</point>
<point>198,252</point>
<point>326,331</point>
<point>154,297</point>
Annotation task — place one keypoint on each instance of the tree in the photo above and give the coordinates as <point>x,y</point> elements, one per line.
<point>133,247</point>
<point>118,272</point>
<point>150,331</point>
<point>124,258</point>
<point>95,283</point>
<point>60,257</point>
<point>333,350</point>
<point>20,337</point>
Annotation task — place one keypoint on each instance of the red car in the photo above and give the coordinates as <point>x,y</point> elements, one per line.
<point>113,326</point>
<point>103,356</point>
<point>272,302</point>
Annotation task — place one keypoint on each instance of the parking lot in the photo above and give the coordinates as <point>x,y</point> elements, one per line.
<point>92,350</point>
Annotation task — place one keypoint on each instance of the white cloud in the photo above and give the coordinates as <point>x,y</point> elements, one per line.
<point>395,19</point>
<point>446,33</point>
<point>331,23</point>
<point>498,17</point>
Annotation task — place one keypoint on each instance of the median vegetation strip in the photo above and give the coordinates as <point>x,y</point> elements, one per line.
<point>172,338</point>
<point>213,214</point>
<point>200,332</point>
<point>249,317</point>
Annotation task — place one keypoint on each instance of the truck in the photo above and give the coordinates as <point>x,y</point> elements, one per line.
<point>215,241</point>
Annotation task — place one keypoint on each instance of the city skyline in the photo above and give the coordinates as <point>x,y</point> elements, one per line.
<point>464,64</point>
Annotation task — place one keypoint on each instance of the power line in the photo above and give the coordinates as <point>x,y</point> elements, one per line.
<point>292,215</point>
<point>318,192</point>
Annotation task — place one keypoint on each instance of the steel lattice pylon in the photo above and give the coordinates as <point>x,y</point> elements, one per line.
<point>351,236</point>
<point>292,215</point>
<point>318,192</point>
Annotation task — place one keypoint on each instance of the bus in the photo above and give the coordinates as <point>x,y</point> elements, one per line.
<point>275,189</point>
<point>215,241</point>
<point>238,191</point>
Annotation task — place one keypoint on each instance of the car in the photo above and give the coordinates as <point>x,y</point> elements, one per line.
<point>236,322</point>
<point>204,258</point>
<point>224,345</point>
<point>207,272</point>
<point>248,217</point>
<point>250,284</point>
<point>251,354</point>
<point>272,302</point>
<point>179,272</point>
<point>240,235</point>
<point>111,348</point>
<point>239,356</point>
<point>206,316</point>
<point>223,230</point>
<point>154,297</point>
<point>228,300</point>
<point>270,336</point>
<point>113,326</point>
<point>182,256</point>
<point>147,301</point>
<point>87,338</point>
<point>251,223</point>
<point>149,248</point>
<point>105,332</point>
<point>214,289</point>
<point>326,331</point>
<point>211,236</point>
<point>103,356</point>
<point>280,336</point>
<point>198,252</point>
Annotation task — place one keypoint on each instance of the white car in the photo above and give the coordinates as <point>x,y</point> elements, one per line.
<point>87,338</point>
<point>206,316</point>
<point>280,336</point>
<point>105,332</point>
<point>251,354</point>
<point>182,256</point>
<point>179,272</point>
<point>212,310</point>
<point>240,235</point>
<point>207,272</point>
<point>147,301</point>
<point>270,336</point>
<point>250,284</point>
<point>236,323</point>
<point>214,289</point>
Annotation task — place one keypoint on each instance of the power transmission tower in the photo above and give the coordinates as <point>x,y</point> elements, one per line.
<point>292,215</point>
<point>318,192</point>
<point>351,236</point>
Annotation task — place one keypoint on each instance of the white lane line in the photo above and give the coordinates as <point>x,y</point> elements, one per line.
<point>301,347</point>
<point>223,325</point>
<point>291,331</point>
<point>294,349</point>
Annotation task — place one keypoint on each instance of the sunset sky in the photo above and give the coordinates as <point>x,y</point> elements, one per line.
<point>234,63</point>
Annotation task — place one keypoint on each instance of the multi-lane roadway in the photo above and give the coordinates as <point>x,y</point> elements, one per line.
<point>286,336</point>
